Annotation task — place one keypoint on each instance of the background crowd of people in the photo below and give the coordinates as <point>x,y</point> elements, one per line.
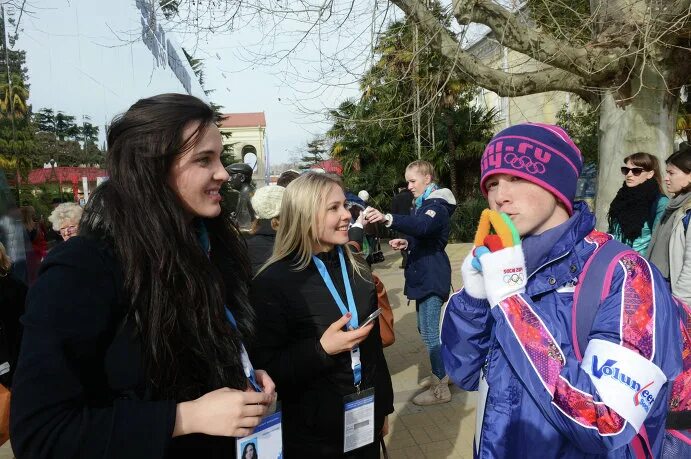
<point>190,329</point>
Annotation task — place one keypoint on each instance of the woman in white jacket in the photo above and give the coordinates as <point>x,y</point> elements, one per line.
<point>670,247</point>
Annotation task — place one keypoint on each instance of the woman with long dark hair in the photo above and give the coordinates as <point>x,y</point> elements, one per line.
<point>639,203</point>
<point>134,329</point>
<point>250,451</point>
<point>670,248</point>
<point>312,337</point>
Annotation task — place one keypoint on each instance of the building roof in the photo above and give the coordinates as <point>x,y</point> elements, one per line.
<point>330,165</point>
<point>65,174</point>
<point>234,120</point>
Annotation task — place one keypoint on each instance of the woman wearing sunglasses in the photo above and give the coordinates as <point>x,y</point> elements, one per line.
<point>639,203</point>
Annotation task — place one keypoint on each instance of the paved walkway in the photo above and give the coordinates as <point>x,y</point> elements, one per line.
<point>441,431</point>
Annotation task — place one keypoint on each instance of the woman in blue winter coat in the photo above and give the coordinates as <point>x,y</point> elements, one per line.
<point>639,203</point>
<point>428,271</point>
<point>508,334</point>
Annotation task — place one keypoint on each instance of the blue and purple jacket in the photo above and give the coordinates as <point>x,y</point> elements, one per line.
<point>540,402</point>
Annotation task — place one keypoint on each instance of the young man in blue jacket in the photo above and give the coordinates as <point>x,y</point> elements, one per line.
<point>510,338</point>
<point>427,270</point>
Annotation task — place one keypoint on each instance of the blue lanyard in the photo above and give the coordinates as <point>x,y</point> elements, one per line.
<point>204,241</point>
<point>246,364</point>
<point>355,352</point>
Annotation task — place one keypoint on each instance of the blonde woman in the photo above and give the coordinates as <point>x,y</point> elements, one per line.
<point>65,219</point>
<point>310,345</point>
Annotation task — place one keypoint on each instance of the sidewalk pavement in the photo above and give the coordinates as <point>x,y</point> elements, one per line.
<point>440,431</point>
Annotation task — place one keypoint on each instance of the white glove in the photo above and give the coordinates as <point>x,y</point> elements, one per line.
<point>504,273</point>
<point>473,282</point>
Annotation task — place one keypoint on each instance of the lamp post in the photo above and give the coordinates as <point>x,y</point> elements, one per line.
<point>52,167</point>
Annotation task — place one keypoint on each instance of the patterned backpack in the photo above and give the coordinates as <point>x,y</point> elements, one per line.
<point>593,285</point>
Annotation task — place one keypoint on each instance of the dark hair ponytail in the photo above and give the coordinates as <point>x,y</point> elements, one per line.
<point>176,294</point>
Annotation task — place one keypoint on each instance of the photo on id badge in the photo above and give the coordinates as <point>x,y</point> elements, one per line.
<point>264,442</point>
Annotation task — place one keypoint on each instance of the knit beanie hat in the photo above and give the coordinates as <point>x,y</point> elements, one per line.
<point>541,153</point>
<point>266,201</point>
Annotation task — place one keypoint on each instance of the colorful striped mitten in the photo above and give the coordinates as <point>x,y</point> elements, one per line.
<point>498,256</point>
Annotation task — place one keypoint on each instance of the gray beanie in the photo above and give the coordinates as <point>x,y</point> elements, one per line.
<point>266,201</point>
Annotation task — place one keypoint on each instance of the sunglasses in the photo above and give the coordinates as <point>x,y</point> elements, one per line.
<point>635,170</point>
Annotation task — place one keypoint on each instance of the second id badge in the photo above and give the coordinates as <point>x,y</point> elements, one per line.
<point>358,420</point>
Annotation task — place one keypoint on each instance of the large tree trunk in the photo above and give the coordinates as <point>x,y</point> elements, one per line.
<point>646,124</point>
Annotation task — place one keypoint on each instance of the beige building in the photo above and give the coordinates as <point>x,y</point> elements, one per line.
<point>536,108</point>
<point>248,140</point>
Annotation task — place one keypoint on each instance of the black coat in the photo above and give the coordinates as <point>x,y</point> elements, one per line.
<point>12,297</point>
<point>402,203</point>
<point>260,245</point>
<point>294,308</point>
<point>79,389</point>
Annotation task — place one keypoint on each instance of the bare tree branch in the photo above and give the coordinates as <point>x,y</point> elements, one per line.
<point>513,33</point>
<point>503,83</point>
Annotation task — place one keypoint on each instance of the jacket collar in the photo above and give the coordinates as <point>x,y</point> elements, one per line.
<point>565,260</point>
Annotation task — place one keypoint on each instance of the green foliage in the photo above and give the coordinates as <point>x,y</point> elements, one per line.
<point>58,137</point>
<point>464,220</point>
<point>582,126</point>
<point>315,153</point>
<point>40,198</point>
<point>375,136</point>
<point>16,135</point>
<point>380,180</point>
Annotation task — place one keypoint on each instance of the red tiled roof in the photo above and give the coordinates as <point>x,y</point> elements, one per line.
<point>330,165</point>
<point>65,174</point>
<point>231,120</point>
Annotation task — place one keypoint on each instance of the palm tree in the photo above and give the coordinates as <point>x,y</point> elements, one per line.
<point>375,136</point>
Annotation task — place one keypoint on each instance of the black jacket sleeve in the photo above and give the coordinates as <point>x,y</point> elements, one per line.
<point>61,402</point>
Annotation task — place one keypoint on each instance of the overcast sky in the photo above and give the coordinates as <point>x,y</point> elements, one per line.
<point>87,57</point>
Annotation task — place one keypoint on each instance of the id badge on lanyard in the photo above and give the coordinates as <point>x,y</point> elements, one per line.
<point>266,440</point>
<point>358,408</point>
<point>267,436</point>
<point>358,420</point>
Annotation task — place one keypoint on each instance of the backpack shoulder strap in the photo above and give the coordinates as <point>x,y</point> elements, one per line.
<point>593,285</point>
<point>686,219</point>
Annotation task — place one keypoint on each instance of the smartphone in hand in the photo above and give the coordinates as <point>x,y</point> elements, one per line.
<point>371,318</point>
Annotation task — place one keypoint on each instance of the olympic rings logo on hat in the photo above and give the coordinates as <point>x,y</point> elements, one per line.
<point>524,162</point>
<point>513,279</point>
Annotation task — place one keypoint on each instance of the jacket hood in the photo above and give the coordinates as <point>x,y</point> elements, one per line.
<point>442,196</point>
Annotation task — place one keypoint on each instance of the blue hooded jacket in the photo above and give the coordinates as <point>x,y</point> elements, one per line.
<point>540,400</point>
<point>428,270</point>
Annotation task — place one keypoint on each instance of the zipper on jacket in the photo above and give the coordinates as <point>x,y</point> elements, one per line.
<point>565,254</point>
<point>484,374</point>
